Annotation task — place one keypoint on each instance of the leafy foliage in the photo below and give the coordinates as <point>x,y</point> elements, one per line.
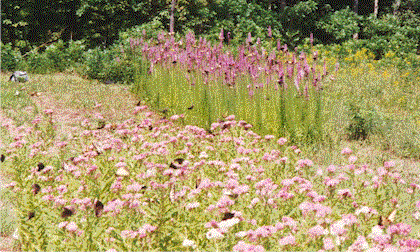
<point>116,64</point>
<point>100,22</point>
<point>9,57</point>
<point>95,60</point>
<point>398,33</point>
<point>341,24</point>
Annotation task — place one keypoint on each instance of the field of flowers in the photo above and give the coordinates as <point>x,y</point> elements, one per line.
<point>148,185</point>
<point>304,95</point>
<point>279,92</point>
<point>153,183</point>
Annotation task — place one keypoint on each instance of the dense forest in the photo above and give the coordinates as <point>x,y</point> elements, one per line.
<point>380,23</point>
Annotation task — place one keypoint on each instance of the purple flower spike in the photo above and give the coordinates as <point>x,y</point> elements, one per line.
<point>305,92</point>
<point>290,71</point>
<point>302,56</point>
<point>251,92</point>
<point>131,43</point>
<point>297,79</point>
<point>315,55</point>
<point>221,37</point>
<point>248,40</point>
<point>270,33</point>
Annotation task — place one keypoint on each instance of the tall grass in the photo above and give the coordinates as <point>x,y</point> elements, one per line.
<point>235,190</point>
<point>278,95</point>
<point>280,112</point>
<point>247,83</point>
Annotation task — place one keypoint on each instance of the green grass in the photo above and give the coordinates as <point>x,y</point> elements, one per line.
<point>214,100</point>
<point>8,217</point>
<point>186,223</point>
<point>389,104</point>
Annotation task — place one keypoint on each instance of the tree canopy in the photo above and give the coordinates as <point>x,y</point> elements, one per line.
<point>26,24</point>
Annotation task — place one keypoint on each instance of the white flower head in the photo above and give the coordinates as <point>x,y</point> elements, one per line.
<point>16,234</point>
<point>241,234</point>
<point>226,224</point>
<point>189,243</point>
<point>203,154</point>
<point>363,209</point>
<point>416,215</point>
<point>122,172</point>
<point>376,230</point>
<point>214,234</point>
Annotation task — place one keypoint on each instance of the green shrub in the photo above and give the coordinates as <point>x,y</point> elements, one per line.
<point>9,57</point>
<point>75,51</point>
<point>95,62</point>
<point>120,71</point>
<point>114,64</point>
<point>57,57</point>
<point>398,33</point>
<point>341,24</point>
<point>35,62</point>
<point>150,29</point>
<point>362,123</point>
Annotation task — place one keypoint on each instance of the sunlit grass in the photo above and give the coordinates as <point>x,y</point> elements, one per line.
<point>259,181</point>
<point>178,203</point>
<point>387,98</point>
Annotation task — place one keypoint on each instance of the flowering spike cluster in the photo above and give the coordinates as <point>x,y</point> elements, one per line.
<point>214,63</point>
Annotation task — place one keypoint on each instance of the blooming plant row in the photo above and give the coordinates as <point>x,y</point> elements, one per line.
<point>278,91</point>
<point>147,184</point>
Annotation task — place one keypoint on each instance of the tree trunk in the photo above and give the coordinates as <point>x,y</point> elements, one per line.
<point>356,10</point>
<point>356,6</point>
<point>375,9</point>
<point>396,6</point>
<point>282,4</point>
<point>171,20</point>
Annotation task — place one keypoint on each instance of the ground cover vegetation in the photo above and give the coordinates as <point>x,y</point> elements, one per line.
<point>121,62</point>
<point>150,183</point>
<point>280,198</point>
<point>277,125</point>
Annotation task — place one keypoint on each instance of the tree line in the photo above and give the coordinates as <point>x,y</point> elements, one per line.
<point>31,23</point>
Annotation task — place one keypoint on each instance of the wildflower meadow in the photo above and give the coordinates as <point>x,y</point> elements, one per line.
<point>210,158</point>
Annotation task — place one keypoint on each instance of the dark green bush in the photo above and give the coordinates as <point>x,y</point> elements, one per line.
<point>116,64</point>
<point>243,17</point>
<point>75,51</point>
<point>10,57</point>
<point>95,62</point>
<point>57,57</point>
<point>342,24</point>
<point>400,34</point>
<point>35,62</point>
<point>120,71</point>
<point>362,123</point>
<point>149,30</point>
